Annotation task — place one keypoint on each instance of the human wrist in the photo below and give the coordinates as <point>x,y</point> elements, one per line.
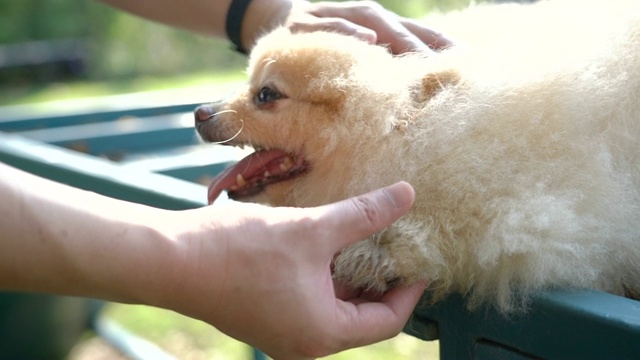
<point>262,16</point>
<point>110,249</point>
<point>150,263</point>
<point>122,255</point>
<point>160,260</point>
<point>193,264</point>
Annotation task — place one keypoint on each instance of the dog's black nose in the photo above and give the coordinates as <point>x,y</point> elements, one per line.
<point>203,113</point>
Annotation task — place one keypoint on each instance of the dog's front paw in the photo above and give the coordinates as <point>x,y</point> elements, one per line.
<point>367,265</point>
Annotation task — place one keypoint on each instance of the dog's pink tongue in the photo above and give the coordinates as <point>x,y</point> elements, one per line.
<point>252,165</point>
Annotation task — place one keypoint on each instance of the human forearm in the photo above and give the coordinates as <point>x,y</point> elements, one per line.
<point>364,19</point>
<point>233,267</point>
<point>209,16</point>
<point>54,238</point>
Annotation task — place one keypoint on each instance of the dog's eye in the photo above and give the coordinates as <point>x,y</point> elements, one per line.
<point>267,95</point>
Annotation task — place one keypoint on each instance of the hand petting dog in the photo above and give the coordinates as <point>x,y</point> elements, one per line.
<point>368,21</point>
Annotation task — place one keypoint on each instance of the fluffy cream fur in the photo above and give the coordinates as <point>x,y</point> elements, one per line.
<point>522,143</point>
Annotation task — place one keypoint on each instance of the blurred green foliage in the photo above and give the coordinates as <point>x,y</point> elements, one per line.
<point>418,8</point>
<point>119,45</point>
<point>23,20</point>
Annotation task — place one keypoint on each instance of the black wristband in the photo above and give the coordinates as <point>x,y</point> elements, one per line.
<point>235,15</point>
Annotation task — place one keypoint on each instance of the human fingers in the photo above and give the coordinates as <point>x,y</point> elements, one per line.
<point>359,217</point>
<point>369,15</point>
<point>434,39</point>
<point>340,25</point>
<point>369,322</point>
<point>345,292</point>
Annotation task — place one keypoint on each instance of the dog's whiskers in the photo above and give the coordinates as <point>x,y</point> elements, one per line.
<point>234,136</point>
<point>268,61</point>
<point>223,112</point>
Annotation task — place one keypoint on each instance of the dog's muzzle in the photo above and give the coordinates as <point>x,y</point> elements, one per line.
<point>203,113</point>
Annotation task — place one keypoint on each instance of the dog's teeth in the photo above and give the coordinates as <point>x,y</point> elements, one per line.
<point>240,180</point>
<point>241,146</point>
<point>286,164</point>
<point>266,174</point>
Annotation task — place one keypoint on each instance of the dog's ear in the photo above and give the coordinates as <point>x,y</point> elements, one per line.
<point>434,82</point>
<point>326,91</point>
<point>333,103</point>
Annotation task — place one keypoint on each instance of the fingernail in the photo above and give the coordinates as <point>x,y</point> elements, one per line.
<point>368,36</point>
<point>400,194</point>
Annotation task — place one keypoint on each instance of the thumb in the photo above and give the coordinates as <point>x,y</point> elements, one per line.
<point>359,217</point>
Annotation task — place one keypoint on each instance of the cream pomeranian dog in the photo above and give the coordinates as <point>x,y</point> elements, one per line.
<point>522,143</point>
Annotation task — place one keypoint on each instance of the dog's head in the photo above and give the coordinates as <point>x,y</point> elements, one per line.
<point>315,104</point>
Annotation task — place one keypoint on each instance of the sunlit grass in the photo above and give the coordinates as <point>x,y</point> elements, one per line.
<point>188,338</point>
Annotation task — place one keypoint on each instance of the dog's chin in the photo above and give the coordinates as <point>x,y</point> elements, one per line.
<point>275,194</point>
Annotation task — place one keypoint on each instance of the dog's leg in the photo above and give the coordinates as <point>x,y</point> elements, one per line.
<point>390,258</point>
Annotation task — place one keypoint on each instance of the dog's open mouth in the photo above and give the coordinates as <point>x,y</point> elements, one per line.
<point>251,175</point>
